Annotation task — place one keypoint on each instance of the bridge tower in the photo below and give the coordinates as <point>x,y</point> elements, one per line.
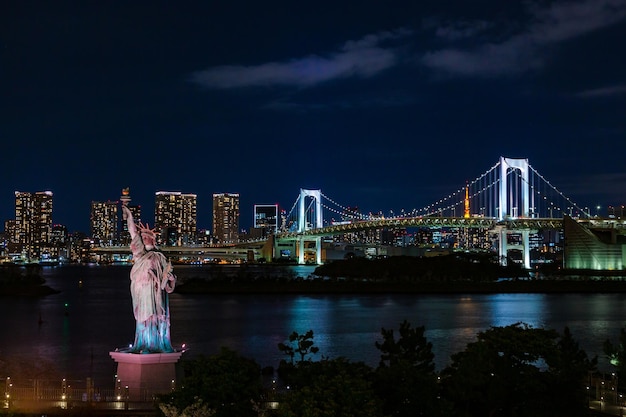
<point>509,210</point>
<point>303,225</point>
<point>506,207</point>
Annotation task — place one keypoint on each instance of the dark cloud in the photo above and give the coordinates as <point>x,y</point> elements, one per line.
<point>521,52</point>
<point>360,59</point>
<point>613,90</point>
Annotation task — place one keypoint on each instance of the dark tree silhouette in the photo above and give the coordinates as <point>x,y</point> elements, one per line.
<point>405,377</point>
<point>518,370</point>
<point>226,382</point>
<point>331,388</point>
<point>301,344</point>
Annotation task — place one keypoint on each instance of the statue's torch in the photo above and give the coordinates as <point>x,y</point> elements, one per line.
<point>125,199</point>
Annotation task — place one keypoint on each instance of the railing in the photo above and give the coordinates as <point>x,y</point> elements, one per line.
<point>37,394</point>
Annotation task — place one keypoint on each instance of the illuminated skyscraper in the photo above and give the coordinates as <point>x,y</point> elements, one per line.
<point>226,217</point>
<point>104,223</point>
<point>33,222</point>
<point>175,218</point>
<point>266,218</point>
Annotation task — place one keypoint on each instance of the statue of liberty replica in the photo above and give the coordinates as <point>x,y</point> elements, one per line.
<point>151,280</point>
<point>149,365</point>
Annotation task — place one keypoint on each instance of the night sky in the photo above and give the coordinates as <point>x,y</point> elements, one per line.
<point>380,104</point>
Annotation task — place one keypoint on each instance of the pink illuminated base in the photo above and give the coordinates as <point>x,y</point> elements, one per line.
<point>142,375</point>
<point>145,358</point>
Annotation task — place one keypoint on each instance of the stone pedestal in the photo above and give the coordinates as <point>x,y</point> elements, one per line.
<point>141,375</point>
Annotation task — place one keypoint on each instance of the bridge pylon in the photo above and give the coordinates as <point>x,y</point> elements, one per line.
<point>507,209</point>
<point>304,225</point>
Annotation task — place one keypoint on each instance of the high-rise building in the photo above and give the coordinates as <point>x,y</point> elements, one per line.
<point>283,221</point>
<point>226,217</point>
<point>33,222</point>
<point>103,218</point>
<point>59,239</point>
<point>175,218</point>
<point>266,218</point>
<point>10,227</point>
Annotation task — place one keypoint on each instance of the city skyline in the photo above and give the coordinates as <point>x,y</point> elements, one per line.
<point>151,215</point>
<point>381,107</point>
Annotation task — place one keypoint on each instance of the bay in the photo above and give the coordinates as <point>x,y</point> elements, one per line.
<point>92,315</point>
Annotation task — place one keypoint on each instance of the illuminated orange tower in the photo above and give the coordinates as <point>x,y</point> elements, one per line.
<point>466,212</point>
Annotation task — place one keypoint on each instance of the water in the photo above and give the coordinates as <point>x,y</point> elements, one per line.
<point>77,328</point>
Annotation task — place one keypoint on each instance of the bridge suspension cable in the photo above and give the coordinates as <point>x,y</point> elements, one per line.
<point>455,199</point>
<point>345,211</point>
<point>484,194</point>
<point>586,213</point>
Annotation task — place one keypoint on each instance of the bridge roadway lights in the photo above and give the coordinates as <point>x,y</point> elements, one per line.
<point>518,225</point>
<point>243,251</point>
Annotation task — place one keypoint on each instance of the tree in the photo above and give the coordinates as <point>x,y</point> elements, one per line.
<point>291,372</point>
<point>568,371</point>
<point>331,388</point>
<point>324,388</point>
<point>225,383</point>
<point>303,345</point>
<point>519,371</point>
<point>405,377</point>
<point>412,348</point>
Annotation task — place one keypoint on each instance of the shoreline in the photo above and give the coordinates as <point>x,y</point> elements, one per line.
<point>318,287</point>
<point>360,288</point>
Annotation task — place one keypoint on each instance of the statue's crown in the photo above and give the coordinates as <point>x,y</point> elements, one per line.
<point>144,229</point>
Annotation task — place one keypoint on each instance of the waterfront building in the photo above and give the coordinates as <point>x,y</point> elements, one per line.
<point>103,219</point>
<point>175,218</point>
<point>265,219</point>
<point>33,223</point>
<point>600,246</point>
<point>59,236</point>
<point>59,239</point>
<point>478,238</point>
<point>9,233</point>
<point>284,226</point>
<point>203,237</point>
<point>226,217</point>
<point>393,236</point>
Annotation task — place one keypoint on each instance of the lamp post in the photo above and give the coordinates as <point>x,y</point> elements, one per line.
<point>614,377</point>
<point>7,393</point>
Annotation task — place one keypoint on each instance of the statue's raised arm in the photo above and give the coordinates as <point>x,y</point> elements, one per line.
<point>130,222</point>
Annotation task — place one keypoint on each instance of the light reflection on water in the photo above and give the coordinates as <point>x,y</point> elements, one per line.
<point>98,318</point>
